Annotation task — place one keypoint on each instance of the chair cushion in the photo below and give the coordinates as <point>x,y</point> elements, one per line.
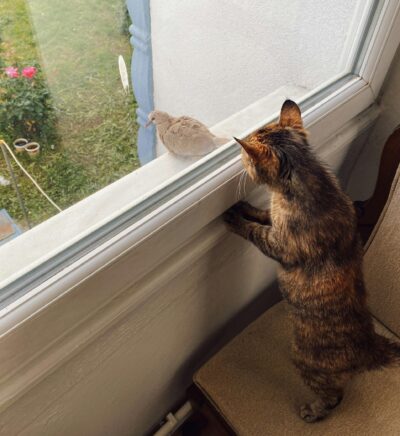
<point>382,262</point>
<point>254,386</point>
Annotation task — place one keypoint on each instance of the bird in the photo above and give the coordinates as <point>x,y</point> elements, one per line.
<point>184,136</point>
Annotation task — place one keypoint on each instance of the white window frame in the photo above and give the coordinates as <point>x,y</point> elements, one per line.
<point>60,315</point>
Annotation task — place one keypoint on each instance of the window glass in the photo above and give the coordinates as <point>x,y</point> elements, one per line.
<point>61,88</point>
<point>212,61</point>
<point>66,94</point>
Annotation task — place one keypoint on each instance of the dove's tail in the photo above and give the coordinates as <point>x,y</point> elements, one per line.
<point>220,141</point>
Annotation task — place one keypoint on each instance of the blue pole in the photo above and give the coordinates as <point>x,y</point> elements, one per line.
<point>142,75</point>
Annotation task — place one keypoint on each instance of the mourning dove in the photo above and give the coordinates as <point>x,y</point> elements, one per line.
<point>184,135</point>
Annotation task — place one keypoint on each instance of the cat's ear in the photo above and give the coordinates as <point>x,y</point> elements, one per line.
<point>290,115</point>
<point>255,151</point>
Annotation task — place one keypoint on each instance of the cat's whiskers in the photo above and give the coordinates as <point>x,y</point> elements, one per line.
<point>239,186</point>
<point>244,184</point>
<point>239,193</point>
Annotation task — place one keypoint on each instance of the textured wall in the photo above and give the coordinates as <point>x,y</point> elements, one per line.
<point>211,61</point>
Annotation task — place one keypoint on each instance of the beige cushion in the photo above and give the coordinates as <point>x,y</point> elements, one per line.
<point>257,390</point>
<point>382,262</point>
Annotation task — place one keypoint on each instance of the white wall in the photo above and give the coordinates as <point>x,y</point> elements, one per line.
<point>364,174</point>
<point>130,376</point>
<point>212,58</point>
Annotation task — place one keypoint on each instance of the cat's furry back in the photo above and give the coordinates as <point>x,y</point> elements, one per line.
<point>311,230</point>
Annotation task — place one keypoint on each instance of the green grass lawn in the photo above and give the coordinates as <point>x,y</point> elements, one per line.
<point>77,44</point>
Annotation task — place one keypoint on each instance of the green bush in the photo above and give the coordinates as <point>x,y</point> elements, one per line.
<point>25,104</point>
<point>2,63</point>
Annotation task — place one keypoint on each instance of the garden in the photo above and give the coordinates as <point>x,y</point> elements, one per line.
<point>60,88</point>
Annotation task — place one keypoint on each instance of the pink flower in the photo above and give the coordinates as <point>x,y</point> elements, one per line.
<point>11,72</point>
<point>29,72</point>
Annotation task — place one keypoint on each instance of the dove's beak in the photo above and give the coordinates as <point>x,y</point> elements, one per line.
<point>148,123</point>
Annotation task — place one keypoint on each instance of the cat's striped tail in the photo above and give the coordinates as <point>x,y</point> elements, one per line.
<point>385,353</point>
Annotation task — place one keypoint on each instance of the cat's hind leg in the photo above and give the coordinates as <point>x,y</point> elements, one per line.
<point>320,408</point>
<point>329,389</point>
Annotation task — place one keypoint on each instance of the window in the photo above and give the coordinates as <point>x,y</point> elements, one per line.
<point>229,64</point>
<point>61,89</point>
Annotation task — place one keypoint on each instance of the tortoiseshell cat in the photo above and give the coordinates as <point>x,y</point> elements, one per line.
<point>311,230</point>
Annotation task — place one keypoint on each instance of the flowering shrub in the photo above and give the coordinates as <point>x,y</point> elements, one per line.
<point>25,104</point>
<point>11,72</point>
<point>29,72</point>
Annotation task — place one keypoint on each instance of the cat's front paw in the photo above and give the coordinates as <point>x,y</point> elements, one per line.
<point>251,213</point>
<point>243,208</point>
<point>237,223</point>
<point>237,213</point>
<point>242,205</point>
<point>233,219</point>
